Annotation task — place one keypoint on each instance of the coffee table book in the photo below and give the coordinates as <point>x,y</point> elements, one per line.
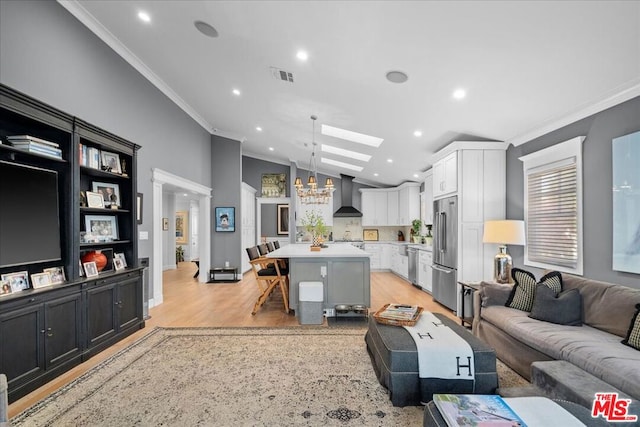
<point>398,314</point>
<point>467,410</point>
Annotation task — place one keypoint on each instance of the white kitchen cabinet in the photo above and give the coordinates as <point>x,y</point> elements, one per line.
<point>375,254</point>
<point>374,207</point>
<point>408,203</point>
<point>393,215</point>
<point>385,256</point>
<point>425,279</point>
<point>445,176</point>
<point>426,199</point>
<point>325,210</point>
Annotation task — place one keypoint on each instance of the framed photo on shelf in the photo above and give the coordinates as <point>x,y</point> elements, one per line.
<point>5,288</point>
<point>110,193</point>
<point>90,269</point>
<point>225,219</point>
<point>18,281</point>
<point>283,219</point>
<point>57,275</point>
<point>121,257</point>
<point>41,280</point>
<point>102,227</point>
<point>110,162</point>
<point>182,227</point>
<point>117,264</point>
<point>94,200</point>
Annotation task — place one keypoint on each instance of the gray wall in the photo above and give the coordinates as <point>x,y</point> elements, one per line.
<point>226,179</point>
<point>252,170</point>
<point>48,54</point>
<point>599,130</point>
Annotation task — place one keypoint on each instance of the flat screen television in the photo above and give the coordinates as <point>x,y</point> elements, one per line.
<point>29,215</point>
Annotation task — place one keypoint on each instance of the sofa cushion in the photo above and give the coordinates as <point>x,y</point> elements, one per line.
<point>564,308</point>
<point>595,351</point>
<point>524,289</point>
<point>605,306</point>
<point>633,336</point>
<point>494,293</point>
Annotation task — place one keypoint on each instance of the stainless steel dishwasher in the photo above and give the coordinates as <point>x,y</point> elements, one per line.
<point>412,253</point>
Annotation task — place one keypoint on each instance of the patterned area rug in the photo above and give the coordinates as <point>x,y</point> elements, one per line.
<point>229,376</point>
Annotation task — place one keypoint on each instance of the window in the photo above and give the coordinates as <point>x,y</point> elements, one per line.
<point>553,207</point>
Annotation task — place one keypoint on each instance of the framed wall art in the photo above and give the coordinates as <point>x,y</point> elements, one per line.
<point>274,185</point>
<point>283,219</point>
<point>225,219</point>
<point>182,227</point>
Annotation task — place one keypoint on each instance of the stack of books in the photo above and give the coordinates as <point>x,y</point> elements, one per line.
<point>398,314</point>
<point>35,145</point>
<point>89,156</point>
<point>469,410</point>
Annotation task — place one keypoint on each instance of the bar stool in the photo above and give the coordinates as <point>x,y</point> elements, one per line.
<point>268,276</point>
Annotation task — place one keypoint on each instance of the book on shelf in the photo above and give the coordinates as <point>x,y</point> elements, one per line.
<point>38,150</point>
<point>467,410</point>
<point>28,138</point>
<point>399,312</point>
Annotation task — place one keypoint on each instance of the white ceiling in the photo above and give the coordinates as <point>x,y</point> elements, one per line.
<point>526,66</point>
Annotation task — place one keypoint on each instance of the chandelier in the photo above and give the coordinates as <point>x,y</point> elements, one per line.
<point>312,195</point>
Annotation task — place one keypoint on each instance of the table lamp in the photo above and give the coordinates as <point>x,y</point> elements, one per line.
<point>504,232</point>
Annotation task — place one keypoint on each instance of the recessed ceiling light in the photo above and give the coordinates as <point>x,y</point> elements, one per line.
<point>389,160</point>
<point>271,148</point>
<point>376,174</point>
<point>417,133</point>
<point>341,164</point>
<point>258,128</point>
<point>459,93</point>
<point>302,55</point>
<point>185,194</point>
<point>144,16</point>
<point>236,92</point>
<point>397,77</point>
<point>206,29</point>
<point>360,138</point>
<point>415,175</point>
<point>345,153</point>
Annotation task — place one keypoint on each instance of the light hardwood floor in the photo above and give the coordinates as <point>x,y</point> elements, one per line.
<point>188,303</point>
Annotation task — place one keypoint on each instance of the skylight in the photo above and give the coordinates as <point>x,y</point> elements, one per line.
<point>360,138</point>
<point>341,164</point>
<point>345,153</point>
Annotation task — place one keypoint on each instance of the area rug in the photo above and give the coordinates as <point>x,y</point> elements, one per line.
<point>304,376</point>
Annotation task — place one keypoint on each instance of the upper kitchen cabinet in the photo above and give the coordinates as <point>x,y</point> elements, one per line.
<point>426,200</point>
<point>408,203</point>
<point>374,207</point>
<point>391,206</point>
<point>445,175</point>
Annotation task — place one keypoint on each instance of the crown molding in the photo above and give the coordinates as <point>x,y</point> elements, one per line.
<point>78,11</point>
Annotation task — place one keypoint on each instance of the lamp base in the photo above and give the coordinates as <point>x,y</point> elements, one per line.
<point>502,264</point>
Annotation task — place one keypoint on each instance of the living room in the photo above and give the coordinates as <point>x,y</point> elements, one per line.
<point>63,63</point>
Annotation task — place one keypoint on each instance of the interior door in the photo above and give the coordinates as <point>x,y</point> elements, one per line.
<point>195,212</point>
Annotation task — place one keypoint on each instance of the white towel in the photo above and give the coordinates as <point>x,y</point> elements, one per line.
<point>441,352</point>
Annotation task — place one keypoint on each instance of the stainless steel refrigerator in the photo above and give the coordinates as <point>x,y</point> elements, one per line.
<point>445,251</point>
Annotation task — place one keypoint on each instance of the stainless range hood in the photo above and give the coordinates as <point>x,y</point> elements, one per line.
<point>346,189</point>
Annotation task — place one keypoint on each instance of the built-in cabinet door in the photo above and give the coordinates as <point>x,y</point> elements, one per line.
<point>393,203</point>
<point>128,303</point>
<point>427,198</point>
<point>22,349</point>
<point>351,271</point>
<point>62,334</point>
<point>101,313</point>
<point>385,257</point>
<point>375,251</point>
<point>445,175</point>
<point>425,259</point>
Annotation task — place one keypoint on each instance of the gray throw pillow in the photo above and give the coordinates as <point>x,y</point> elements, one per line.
<point>494,293</point>
<point>563,309</point>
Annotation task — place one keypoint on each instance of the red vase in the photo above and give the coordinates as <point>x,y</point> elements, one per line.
<point>96,256</point>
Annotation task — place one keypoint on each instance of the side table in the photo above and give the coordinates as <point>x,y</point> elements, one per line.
<point>467,288</point>
<point>223,274</point>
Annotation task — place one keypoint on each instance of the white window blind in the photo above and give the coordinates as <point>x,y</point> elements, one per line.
<point>553,207</point>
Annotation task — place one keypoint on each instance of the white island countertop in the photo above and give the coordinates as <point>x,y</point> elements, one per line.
<point>303,250</point>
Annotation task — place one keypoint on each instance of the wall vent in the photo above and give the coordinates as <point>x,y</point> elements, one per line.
<point>283,75</point>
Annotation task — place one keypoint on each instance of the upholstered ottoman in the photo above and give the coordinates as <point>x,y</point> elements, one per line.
<point>395,361</point>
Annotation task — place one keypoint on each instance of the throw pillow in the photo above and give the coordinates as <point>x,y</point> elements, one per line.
<point>633,336</point>
<point>564,308</point>
<point>552,280</point>
<point>521,296</point>
<point>494,293</point>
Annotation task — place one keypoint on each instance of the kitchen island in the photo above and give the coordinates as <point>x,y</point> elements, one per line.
<point>343,270</point>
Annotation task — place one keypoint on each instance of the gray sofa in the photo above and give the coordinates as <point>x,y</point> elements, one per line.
<point>595,347</point>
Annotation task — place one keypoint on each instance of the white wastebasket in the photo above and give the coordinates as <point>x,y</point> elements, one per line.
<point>310,299</point>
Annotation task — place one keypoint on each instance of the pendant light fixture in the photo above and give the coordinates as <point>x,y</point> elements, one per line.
<point>312,194</point>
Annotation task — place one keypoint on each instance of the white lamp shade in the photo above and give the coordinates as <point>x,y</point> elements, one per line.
<point>505,232</point>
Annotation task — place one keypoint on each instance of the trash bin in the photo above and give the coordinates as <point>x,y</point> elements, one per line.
<point>310,299</point>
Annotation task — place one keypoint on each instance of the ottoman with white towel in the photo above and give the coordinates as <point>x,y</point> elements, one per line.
<point>394,357</point>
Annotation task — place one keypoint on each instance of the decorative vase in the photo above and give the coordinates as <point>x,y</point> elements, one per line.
<point>316,240</point>
<point>96,256</point>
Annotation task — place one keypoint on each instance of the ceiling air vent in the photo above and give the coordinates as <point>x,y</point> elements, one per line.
<point>279,74</point>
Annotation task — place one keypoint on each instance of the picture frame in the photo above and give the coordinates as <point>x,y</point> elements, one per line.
<point>110,162</point>
<point>110,193</point>
<point>90,269</point>
<point>41,280</point>
<point>165,224</point>
<point>18,281</point>
<point>139,208</point>
<point>94,200</point>
<point>104,228</point>
<point>81,270</point>
<point>57,275</point>
<point>182,227</point>
<point>117,264</point>
<point>225,219</point>
<point>274,185</point>
<point>370,234</point>
<point>5,288</point>
<point>121,257</point>
<point>283,219</point>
